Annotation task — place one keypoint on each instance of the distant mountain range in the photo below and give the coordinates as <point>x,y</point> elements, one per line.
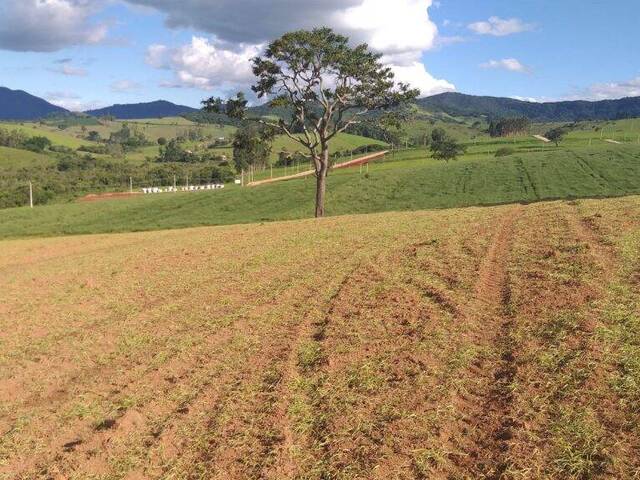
<point>157,109</point>
<point>458,104</point>
<point>19,105</point>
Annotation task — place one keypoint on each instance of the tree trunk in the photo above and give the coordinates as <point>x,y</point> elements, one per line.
<point>321,182</point>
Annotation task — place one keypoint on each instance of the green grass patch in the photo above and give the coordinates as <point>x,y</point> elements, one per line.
<point>407,181</point>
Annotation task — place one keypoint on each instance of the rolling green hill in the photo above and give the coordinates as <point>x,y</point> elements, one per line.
<point>157,109</point>
<point>407,181</point>
<point>497,107</point>
<point>12,159</point>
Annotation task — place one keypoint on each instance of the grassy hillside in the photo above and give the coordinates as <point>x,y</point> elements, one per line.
<point>12,159</point>
<point>451,344</point>
<point>406,181</point>
<point>58,137</point>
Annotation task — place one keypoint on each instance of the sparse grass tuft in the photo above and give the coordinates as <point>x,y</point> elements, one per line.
<point>579,447</point>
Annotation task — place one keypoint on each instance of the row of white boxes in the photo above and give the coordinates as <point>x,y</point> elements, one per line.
<point>191,188</point>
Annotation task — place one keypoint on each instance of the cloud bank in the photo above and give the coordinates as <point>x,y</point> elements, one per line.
<point>239,29</point>
<point>48,25</point>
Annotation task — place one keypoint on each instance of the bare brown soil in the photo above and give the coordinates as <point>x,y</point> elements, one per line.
<point>478,343</point>
<point>100,197</point>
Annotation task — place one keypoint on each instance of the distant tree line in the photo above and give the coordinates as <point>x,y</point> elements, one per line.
<point>20,140</point>
<point>509,126</point>
<point>72,175</point>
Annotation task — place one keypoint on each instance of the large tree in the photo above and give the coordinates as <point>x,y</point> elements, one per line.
<point>327,86</point>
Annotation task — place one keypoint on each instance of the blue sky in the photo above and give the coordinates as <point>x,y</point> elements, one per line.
<point>86,53</point>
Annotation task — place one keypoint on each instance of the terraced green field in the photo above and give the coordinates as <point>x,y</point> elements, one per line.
<point>408,180</point>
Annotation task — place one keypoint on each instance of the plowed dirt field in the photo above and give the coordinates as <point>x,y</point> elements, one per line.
<point>476,343</point>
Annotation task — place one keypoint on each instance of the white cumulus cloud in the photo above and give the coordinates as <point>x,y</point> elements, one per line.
<point>510,64</point>
<point>48,25</point>
<point>608,91</point>
<point>499,27</point>
<point>206,64</point>
<point>402,31</point>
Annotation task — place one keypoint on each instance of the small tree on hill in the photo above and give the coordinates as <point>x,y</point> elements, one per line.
<point>252,145</point>
<point>556,135</point>
<point>443,147</point>
<point>328,86</point>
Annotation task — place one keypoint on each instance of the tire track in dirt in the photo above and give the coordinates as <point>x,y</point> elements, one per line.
<point>310,329</point>
<point>309,452</point>
<point>183,371</point>
<point>486,420</point>
<point>603,369</point>
<point>585,230</point>
<point>396,313</point>
<point>259,441</point>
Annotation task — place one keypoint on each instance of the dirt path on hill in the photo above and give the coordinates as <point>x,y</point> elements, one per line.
<point>307,173</point>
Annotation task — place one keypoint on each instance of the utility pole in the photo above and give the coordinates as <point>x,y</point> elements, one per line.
<point>30,194</point>
<point>174,182</point>
<point>187,181</point>
<point>242,178</point>
<point>130,184</point>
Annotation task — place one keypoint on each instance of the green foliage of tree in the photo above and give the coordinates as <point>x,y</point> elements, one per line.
<point>36,144</point>
<point>252,145</point>
<point>438,135</point>
<point>173,152</point>
<point>94,136</point>
<point>443,147</point>
<point>20,140</point>
<point>371,128</point>
<point>327,84</point>
<point>12,138</point>
<point>162,141</point>
<point>556,135</point>
<point>128,138</point>
<point>509,126</point>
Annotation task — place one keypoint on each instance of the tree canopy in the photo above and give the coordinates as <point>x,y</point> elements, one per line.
<point>443,147</point>
<point>556,135</point>
<point>327,85</point>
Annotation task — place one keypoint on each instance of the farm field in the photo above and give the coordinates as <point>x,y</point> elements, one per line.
<point>498,342</point>
<point>408,180</point>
